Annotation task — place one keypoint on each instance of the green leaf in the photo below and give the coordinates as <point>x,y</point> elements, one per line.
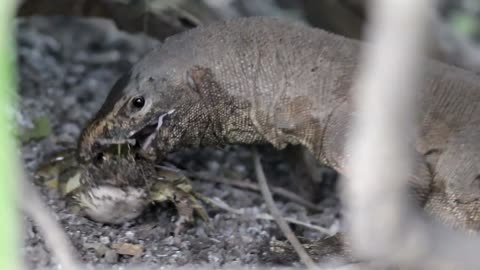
<point>41,129</point>
<point>463,23</point>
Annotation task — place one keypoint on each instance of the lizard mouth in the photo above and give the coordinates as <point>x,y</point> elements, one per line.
<point>145,136</point>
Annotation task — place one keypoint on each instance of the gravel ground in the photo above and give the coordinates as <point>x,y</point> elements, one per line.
<point>66,69</point>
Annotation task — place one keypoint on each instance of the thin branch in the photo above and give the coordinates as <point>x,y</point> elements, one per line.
<point>267,195</point>
<point>54,236</point>
<point>380,163</point>
<point>382,225</point>
<point>244,183</point>
<point>263,216</point>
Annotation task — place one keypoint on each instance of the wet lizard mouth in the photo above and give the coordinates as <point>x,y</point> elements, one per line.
<point>145,136</point>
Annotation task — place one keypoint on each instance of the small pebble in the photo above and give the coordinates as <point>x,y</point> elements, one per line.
<point>111,256</point>
<point>240,169</point>
<point>213,259</point>
<point>200,232</point>
<point>213,166</point>
<point>130,235</point>
<point>105,240</point>
<point>100,250</point>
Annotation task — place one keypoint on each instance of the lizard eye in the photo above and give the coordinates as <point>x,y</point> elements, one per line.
<point>138,102</point>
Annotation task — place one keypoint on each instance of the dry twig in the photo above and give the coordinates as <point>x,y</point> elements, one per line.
<point>244,183</point>
<point>241,212</point>
<point>267,195</point>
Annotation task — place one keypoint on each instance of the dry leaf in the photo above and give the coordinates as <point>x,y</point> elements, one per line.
<point>128,249</point>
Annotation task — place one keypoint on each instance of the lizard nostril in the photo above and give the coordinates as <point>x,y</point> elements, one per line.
<point>94,148</point>
<point>99,158</point>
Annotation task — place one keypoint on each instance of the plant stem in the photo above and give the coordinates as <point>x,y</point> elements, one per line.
<point>9,159</point>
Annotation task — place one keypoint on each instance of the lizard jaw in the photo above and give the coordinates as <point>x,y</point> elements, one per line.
<point>145,136</point>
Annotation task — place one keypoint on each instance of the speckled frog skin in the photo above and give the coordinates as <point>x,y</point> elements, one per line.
<point>260,80</point>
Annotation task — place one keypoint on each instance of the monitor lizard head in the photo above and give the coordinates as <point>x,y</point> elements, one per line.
<point>151,102</point>
<point>132,113</point>
<point>178,96</point>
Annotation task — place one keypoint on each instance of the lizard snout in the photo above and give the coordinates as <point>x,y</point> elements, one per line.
<point>89,143</point>
<point>92,145</point>
<point>86,151</point>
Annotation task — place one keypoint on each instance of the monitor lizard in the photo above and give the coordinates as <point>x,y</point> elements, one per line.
<point>262,80</point>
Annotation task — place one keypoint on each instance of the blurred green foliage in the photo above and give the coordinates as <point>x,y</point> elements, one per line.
<point>41,129</point>
<point>463,16</point>
<point>9,160</point>
<point>463,23</point>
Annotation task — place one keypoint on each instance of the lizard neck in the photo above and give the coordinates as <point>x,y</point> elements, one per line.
<point>259,84</point>
<point>216,117</point>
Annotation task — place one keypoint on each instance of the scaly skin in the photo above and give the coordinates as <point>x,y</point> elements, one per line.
<point>258,80</point>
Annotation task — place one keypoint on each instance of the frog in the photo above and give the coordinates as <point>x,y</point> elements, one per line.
<point>118,187</point>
